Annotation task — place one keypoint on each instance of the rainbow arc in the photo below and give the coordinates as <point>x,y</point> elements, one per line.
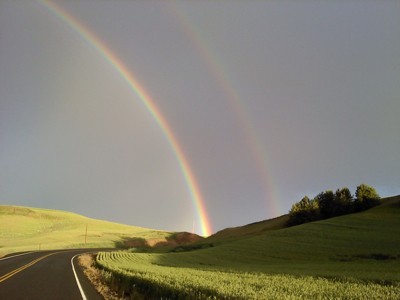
<point>129,77</point>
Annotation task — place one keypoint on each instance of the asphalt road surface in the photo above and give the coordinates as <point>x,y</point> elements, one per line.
<point>45,275</point>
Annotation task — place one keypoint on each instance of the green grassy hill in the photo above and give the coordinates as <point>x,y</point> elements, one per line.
<point>252,229</point>
<point>26,229</point>
<point>364,246</point>
<point>355,256</point>
<point>346,246</point>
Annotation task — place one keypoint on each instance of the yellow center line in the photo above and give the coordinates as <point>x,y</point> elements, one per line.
<point>12,273</point>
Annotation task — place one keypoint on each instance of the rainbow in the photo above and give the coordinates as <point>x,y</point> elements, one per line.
<point>149,103</point>
<point>252,139</point>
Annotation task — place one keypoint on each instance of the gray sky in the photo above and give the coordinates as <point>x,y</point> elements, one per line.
<point>269,100</point>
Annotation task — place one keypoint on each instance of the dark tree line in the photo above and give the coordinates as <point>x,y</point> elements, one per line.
<point>329,204</point>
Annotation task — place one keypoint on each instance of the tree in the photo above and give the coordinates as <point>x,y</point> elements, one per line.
<point>303,204</point>
<point>343,201</point>
<point>304,211</point>
<point>326,204</point>
<point>366,197</point>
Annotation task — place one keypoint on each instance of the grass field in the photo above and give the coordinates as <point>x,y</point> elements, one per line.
<point>350,257</point>
<point>26,229</point>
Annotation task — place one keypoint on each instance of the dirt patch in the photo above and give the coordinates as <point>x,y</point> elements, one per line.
<point>176,239</point>
<point>86,261</point>
<point>182,238</point>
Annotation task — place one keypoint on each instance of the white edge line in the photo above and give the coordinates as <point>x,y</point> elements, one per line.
<point>76,277</point>
<point>4,258</point>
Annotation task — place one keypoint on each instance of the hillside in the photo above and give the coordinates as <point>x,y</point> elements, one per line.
<point>356,256</point>
<point>261,227</point>
<point>248,230</point>
<point>364,246</point>
<point>27,229</point>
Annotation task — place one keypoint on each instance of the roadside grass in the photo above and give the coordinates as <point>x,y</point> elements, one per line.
<point>86,261</point>
<point>349,257</point>
<point>29,229</point>
<point>138,273</point>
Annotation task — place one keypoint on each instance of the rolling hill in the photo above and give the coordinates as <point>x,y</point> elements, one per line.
<point>27,229</point>
<point>234,233</point>
<point>355,256</point>
<point>363,245</point>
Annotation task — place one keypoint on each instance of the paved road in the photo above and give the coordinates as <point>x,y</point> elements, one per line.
<point>44,275</point>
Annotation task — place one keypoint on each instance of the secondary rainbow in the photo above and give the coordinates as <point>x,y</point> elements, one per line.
<point>257,150</point>
<point>149,103</point>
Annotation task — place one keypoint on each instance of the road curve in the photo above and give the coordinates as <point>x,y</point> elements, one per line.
<point>44,275</point>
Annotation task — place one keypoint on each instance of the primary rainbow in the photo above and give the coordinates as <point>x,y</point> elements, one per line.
<point>145,98</point>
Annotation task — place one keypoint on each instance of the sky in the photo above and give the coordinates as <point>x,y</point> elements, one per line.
<point>196,115</point>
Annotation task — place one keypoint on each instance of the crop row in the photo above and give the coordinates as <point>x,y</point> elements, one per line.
<point>140,272</point>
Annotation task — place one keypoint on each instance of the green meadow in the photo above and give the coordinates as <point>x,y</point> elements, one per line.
<point>356,256</point>
<point>31,229</point>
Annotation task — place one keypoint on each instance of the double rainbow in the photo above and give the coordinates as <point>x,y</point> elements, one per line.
<point>149,103</point>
